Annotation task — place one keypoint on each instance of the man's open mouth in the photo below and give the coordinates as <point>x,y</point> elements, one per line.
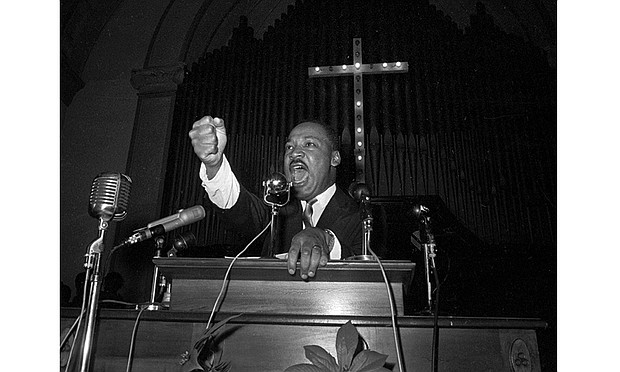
<point>299,172</point>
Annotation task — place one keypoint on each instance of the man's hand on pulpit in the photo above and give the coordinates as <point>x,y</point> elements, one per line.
<point>311,246</point>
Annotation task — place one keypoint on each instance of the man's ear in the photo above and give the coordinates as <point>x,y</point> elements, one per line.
<point>335,158</point>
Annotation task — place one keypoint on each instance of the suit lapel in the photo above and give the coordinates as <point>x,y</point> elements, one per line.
<point>333,210</point>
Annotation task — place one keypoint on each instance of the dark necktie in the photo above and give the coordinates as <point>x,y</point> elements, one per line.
<point>307,216</point>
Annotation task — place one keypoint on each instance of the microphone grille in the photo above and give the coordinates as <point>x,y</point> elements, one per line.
<point>276,183</point>
<point>109,196</point>
<point>359,191</point>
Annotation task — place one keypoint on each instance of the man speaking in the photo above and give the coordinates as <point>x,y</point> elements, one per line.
<point>319,222</point>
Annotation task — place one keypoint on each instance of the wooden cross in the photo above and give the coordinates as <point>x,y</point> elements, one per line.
<point>357,69</point>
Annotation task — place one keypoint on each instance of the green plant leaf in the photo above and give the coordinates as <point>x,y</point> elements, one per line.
<point>304,368</point>
<point>368,361</point>
<point>321,358</point>
<point>346,344</point>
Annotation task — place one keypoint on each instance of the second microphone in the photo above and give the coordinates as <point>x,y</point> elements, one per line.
<point>182,218</point>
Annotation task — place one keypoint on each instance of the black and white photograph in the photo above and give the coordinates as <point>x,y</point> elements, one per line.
<point>313,185</point>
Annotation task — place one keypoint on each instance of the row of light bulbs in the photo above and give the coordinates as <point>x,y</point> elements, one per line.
<point>359,65</point>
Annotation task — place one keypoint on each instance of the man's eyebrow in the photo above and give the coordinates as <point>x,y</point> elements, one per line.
<point>308,137</point>
<point>312,137</point>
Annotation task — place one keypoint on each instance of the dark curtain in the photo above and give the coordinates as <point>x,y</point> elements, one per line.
<point>472,121</point>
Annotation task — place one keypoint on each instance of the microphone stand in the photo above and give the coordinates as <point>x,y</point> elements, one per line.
<point>274,230</point>
<point>429,263</point>
<point>429,258</point>
<point>367,226</point>
<point>159,245</point>
<point>93,276</point>
<point>367,229</point>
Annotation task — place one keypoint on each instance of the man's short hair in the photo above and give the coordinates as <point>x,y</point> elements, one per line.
<point>332,136</point>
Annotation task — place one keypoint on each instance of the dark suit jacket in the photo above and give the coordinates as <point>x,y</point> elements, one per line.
<point>250,215</point>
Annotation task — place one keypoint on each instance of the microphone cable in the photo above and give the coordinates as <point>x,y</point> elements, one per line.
<point>76,324</point>
<point>224,286</point>
<point>85,294</point>
<point>132,342</point>
<point>435,350</point>
<point>399,356</point>
<point>71,329</point>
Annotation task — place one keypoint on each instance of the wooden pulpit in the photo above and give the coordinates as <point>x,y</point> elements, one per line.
<point>281,313</point>
<point>264,286</point>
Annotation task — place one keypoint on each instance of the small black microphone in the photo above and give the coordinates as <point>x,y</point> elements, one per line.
<point>361,193</point>
<point>277,184</point>
<point>183,242</point>
<point>182,218</point>
<point>420,211</point>
<point>277,190</point>
<point>109,196</point>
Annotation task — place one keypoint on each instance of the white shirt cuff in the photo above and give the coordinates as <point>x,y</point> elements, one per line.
<point>336,252</point>
<point>223,188</point>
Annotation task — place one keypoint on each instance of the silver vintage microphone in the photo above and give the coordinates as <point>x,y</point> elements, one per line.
<point>109,196</point>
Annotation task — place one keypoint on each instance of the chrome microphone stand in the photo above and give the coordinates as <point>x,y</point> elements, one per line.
<point>367,229</point>
<point>367,225</point>
<point>273,230</point>
<point>429,263</point>
<point>429,251</point>
<point>93,276</point>
<point>159,246</point>
<point>361,193</point>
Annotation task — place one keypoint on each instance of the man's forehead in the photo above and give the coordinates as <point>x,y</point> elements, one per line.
<point>303,136</point>
<point>308,130</point>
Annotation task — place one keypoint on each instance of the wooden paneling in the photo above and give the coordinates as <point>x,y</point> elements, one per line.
<point>338,298</point>
<point>274,342</point>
